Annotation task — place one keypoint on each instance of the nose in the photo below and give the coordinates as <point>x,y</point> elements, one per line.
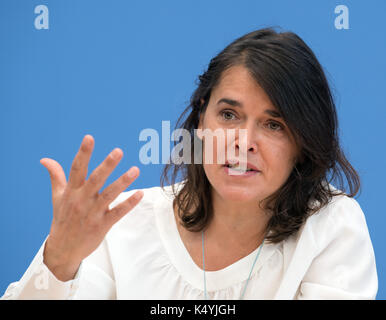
<point>251,146</point>
<point>246,139</point>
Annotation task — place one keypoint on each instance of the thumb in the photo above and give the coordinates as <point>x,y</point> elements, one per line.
<point>57,176</point>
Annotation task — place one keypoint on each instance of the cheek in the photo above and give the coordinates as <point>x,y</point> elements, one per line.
<point>279,159</point>
<point>215,149</point>
<point>213,176</point>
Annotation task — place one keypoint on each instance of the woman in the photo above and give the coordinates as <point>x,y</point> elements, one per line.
<point>278,231</point>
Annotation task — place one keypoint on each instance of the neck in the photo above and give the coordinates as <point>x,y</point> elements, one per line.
<point>238,226</point>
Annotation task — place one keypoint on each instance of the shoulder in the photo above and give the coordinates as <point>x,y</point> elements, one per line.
<point>150,196</point>
<point>341,218</point>
<point>138,216</point>
<point>153,200</point>
<point>341,260</point>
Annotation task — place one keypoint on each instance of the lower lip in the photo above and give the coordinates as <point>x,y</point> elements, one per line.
<point>234,173</point>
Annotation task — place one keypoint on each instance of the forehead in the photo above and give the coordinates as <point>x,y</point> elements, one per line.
<point>237,83</point>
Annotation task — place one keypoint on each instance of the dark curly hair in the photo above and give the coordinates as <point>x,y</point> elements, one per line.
<point>290,74</point>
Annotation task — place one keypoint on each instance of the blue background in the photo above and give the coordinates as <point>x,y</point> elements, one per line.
<point>113,68</point>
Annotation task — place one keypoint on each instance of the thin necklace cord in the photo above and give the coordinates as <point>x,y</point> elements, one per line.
<point>249,276</point>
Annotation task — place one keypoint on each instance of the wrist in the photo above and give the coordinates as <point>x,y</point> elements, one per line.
<point>62,267</point>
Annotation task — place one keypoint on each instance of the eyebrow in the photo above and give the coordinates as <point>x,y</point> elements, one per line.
<point>235,103</point>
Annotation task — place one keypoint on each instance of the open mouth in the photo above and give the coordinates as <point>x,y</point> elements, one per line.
<point>235,169</point>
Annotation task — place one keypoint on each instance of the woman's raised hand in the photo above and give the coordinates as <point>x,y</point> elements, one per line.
<point>81,215</point>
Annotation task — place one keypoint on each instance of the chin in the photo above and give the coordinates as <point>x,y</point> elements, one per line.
<point>238,194</point>
<point>236,191</point>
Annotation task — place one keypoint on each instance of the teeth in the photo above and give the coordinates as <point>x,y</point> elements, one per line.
<point>233,167</point>
<point>238,169</point>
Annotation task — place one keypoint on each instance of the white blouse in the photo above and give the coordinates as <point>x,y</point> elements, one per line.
<point>143,257</point>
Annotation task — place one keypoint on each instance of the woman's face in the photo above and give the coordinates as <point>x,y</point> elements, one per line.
<point>270,146</point>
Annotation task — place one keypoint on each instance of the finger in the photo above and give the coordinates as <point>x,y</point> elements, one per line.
<point>57,175</point>
<point>119,211</point>
<point>118,186</point>
<point>98,177</point>
<point>79,167</point>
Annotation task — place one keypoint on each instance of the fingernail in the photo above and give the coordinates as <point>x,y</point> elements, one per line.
<point>132,173</point>
<point>116,153</point>
<point>86,138</point>
<point>138,195</point>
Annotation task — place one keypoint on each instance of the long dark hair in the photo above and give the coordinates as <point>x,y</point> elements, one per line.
<point>290,74</point>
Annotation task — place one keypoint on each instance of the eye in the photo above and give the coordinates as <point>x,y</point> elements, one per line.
<point>275,126</point>
<point>226,114</point>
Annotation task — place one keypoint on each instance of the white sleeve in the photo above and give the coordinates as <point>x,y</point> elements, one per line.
<point>345,266</point>
<point>38,282</point>
<point>93,280</point>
